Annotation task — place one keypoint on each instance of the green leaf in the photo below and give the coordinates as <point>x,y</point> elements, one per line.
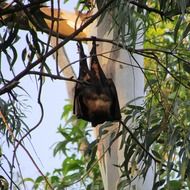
<point>156,154</point>
<point>186,67</point>
<point>173,185</point>
<point>183,168</point>
<point>65,1</point>
<point>67,110</point>
<point>93,156</point>
<point>71,164</point>
<point>177,27</point>
<point>39,179</point>
<point>55,179</point>
<point>186,31</point>
<point>4,185</point>
<point>158,184</point>
<point>37,182</point>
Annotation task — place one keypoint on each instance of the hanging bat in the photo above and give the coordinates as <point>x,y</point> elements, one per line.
<point>96,98</point>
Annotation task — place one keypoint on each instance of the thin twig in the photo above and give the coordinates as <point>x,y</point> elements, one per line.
<point>95,163</point>
<point>16,8</point>
<point>143,148</point>
<point>19,143</point>
<point>150,9</point>
<point>128,64</point>
<point>20,171</point>
<point>36,166</point>
<point>137,141</point>
<point>170,73</point>
<point>53,50</point>
<point>98,54</point>
<point>17,187</point>
<point>52,76</point>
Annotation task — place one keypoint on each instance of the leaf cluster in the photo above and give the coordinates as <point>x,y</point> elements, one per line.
<point>161,124</point>
<point>78,168</point>
<point>159,134</point>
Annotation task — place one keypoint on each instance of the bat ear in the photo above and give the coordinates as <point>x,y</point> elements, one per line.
<point>81,50</point>
<point>95,65</point>
<point>84,72</point>
<point>93,50</point>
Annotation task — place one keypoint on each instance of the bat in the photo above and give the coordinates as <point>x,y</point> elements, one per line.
<point>96,97</point>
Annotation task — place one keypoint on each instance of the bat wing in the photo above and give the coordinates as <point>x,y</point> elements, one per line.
<point>95,67</point>
<point>115,109</point>
<point>76,106</point>
<point>96,101</point>
<point>79,108</point>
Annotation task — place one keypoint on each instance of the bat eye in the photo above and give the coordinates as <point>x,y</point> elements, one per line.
<point>104,97</point>
<point>93,97</point>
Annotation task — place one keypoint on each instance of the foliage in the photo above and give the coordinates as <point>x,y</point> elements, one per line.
<point>162,123</point>
<point>80,164</point>
<point>155,134</point>
<point>3,183</point>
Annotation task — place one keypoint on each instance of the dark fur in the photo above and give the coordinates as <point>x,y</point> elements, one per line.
<point>96,99</point>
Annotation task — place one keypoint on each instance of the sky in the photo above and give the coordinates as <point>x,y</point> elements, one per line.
<point>54,97</point>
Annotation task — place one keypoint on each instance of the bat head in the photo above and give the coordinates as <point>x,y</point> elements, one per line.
<point>97,105</point>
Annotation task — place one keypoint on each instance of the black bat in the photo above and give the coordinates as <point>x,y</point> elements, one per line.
<point>96,97</point>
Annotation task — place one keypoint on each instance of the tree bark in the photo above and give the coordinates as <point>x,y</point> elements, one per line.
<point>63,62</point>
<point>129,82</point>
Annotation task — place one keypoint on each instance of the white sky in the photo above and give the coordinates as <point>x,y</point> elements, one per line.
<point>53,99</point>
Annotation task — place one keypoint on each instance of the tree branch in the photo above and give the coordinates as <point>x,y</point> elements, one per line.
<point>16,186</point>
<point>52,76</point>
<point>62,60</point>
<point>143,148</point>
<point>167,14</point>
<point>149,9</point>
<point>18,8</point>
<point>36,166</point>
<point>53,50</point>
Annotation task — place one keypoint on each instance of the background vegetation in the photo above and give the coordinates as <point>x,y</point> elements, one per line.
<point>155,134</point>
